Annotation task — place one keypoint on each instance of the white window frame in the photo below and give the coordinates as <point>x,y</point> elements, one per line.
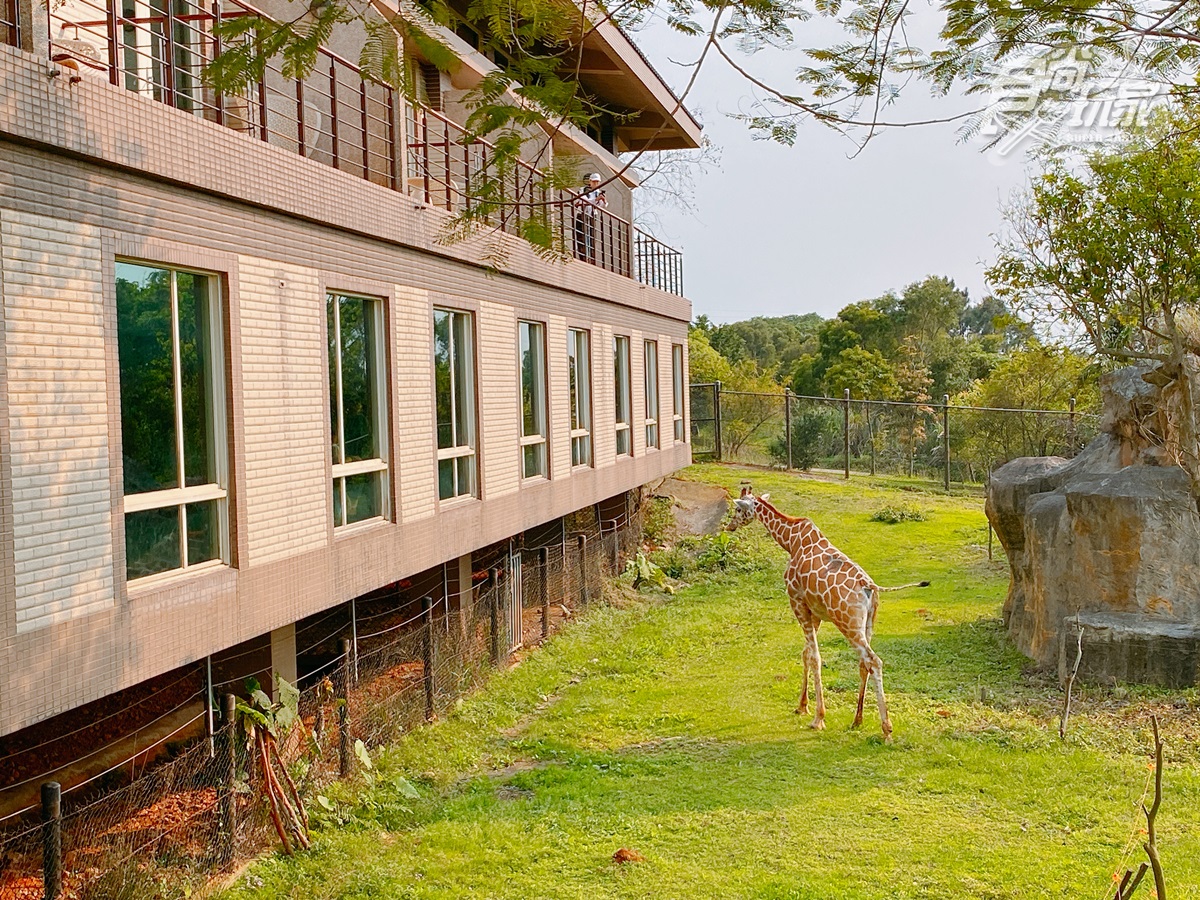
<point>677,393</point>
<point>579,361</point>
<point>201,493</point>
<point>624,394</point>
<point>541,436</point>
<point>467,448</point>
<point>342,471</point>
<point>650,363</point>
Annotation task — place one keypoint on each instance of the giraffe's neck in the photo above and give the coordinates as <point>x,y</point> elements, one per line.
<point>788,532</point>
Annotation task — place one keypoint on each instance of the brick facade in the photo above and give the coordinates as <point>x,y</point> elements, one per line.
<point>90,174</point>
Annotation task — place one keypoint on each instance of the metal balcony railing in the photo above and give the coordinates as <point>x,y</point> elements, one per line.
<point>336,116</point>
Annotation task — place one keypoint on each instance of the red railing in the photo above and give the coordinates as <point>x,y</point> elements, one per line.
<point>336,116</point>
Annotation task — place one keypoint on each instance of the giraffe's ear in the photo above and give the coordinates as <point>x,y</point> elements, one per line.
<point>743,504</point>
<point>765,497</point>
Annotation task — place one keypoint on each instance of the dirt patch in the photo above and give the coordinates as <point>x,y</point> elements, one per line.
<point>699,508</point>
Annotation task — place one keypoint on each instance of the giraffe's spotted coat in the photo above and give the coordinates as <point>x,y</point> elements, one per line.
<point>823,585</point>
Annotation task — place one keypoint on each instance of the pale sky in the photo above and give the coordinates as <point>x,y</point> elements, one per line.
<point>780,230</point>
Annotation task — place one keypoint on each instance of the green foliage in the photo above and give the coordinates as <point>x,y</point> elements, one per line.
<point>807,430</point>
<point>895,513</point>
<point>646,573</point>
<point>658,520</point>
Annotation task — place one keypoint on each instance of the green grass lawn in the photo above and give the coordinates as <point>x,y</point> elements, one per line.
<point>664,724</point>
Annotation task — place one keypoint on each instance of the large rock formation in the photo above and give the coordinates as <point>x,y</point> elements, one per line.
<point>1109,543</point>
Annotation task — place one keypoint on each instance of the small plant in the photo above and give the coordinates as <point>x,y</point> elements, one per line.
<point>658,520</point>
<point>717,551</point>
<point>645,572</point>
<point>265,723</point>
<point>897,513</point>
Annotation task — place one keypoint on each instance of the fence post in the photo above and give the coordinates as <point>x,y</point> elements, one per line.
<point>846,431</point>
<point>870,433</point>
<point>544,562</point>
<point>52,869</point>
<point>1071,427</point>
<point>787,423</point>
<point>344,711</point>
<point>717,417</point>
<point>354,629</point>
<point>946,437</point>
<point>227,808</point>
<point>584,599</point>
<point>427,656</point>
<point>494,609</point>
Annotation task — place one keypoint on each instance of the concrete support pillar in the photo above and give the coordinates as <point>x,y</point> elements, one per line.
<point>283,654</point>
<point>460,593</point>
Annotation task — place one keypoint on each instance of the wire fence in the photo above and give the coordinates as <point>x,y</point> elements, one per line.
<point>939,442</point>
<point>370,671</point>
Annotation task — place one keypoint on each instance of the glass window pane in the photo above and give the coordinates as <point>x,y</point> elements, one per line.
<point>465,482</point>
<point>364,497</point>
<point>573,375</point>
<point>152,542</point>
<point>535,460</point>
<point>203,531</point>
<point>358,378</point>
<point>334,400</point>
<point>339,516</point>
<point>533,395</point>
<point>193,293</point>
<point>147,366</point>
<point>442,382</point>
<point>445,478</point>
<point>464,382</point>
<point>623,441</point>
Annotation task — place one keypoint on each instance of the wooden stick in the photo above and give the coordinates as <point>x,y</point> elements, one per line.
<point>1066,713</point>
<point>1127,887</point>
<point>262,753</point>
<point>292,816</point>
<point>1151,848</point>
<point>287,777</point>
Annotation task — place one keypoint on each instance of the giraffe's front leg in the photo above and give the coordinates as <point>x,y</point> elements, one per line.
<point>812,660</point>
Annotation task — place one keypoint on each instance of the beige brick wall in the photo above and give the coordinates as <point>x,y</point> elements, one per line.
<point>499,400</point>
<point>213,200</point>
<point>57,419</point>
<point>286,403</point>
<point>605,400</point>
<point>412,361</point>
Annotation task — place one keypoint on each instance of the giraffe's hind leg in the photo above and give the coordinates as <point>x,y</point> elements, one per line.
<point>863,674</point>
<point>869,660</point>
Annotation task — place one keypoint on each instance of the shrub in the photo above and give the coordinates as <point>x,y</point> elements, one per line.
<point>901,512</point>
<point>807,429</point>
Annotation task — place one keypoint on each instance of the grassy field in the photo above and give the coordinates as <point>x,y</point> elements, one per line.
<point>664,724</point>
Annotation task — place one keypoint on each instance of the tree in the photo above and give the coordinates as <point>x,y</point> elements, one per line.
<point>865,373</point>
<point>1111,253</point>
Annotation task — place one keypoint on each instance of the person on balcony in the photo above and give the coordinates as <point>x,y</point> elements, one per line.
<point>587,206</point>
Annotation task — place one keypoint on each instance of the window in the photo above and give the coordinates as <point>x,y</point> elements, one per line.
<point>624,396</point>
<point>677,389</point>
<point>454,377</point>
<point>357,408</point>
<point>171,361</point>
<point>651,393</point>
<point>579,364</point>
<point>533,400</point>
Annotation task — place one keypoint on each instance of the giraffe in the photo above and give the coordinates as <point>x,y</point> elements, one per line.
<point>824,584</point>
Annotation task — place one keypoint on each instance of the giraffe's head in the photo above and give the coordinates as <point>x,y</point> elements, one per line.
<point>745,508</point>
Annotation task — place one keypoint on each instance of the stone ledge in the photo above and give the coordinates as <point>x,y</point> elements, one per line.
<point>1128,647</point>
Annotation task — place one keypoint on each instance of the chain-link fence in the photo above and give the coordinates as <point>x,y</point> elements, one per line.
<point>941,442</point>
<point>163,825</point>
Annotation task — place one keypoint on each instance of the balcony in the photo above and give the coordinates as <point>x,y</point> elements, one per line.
<point>337,117</point>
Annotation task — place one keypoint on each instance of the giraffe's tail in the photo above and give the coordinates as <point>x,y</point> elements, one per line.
<point>904,587</point>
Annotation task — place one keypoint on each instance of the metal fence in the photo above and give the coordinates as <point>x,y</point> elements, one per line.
<point>163,828</point>
<point>941,442</point>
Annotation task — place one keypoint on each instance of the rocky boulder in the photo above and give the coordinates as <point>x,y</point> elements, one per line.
<point>1108,543</point>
